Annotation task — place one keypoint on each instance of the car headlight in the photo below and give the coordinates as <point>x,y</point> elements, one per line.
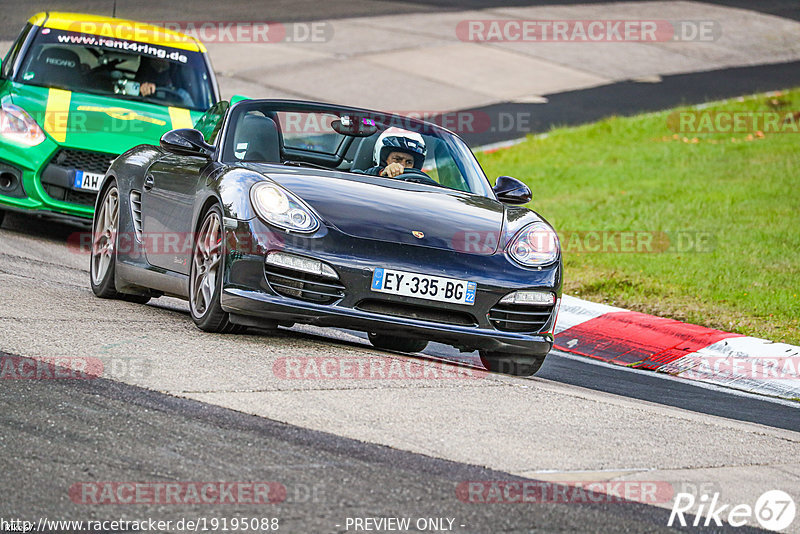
<point>535,245</point>
<point>17,125</point>
<point>279,207</point>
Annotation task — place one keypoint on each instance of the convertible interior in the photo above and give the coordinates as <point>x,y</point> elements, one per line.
<point>264,138</point>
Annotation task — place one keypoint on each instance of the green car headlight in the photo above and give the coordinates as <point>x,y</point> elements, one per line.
<point>17,125</point>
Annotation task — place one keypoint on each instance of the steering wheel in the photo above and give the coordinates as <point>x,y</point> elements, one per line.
<point>166,93</point>
<point>411,174</point>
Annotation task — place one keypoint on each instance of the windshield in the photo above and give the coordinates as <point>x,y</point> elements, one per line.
<point>350,140</point>
<point>117,67</point>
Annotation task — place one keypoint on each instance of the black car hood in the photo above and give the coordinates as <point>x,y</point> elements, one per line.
<point>391,210</point>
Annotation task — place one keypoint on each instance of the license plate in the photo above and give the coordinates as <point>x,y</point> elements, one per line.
<point>424,286</point>
<point>88,181</point>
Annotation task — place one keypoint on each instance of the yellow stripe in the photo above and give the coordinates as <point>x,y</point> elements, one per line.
<point>127,30</point>
<point>56,114</point>
<point>38,18</point>
<point>181,118</point>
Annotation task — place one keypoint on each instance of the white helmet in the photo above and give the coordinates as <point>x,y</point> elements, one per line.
<point>399,140</point>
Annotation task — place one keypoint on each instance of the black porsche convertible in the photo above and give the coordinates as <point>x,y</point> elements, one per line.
<point>276,212</point>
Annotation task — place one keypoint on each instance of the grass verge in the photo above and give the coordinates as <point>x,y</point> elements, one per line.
<point>710,221</point>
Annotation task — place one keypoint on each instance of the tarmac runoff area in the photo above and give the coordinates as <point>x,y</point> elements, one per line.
<point>537,428</point>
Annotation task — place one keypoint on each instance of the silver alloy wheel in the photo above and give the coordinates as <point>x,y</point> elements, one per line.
<point>205,264</point>
<point>105,236</point>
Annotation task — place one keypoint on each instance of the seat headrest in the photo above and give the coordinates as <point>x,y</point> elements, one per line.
<point>60,58</point>
<point>257,139</point>
<point>363,158</point>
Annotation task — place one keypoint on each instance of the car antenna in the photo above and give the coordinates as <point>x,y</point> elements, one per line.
<point>114,10</point>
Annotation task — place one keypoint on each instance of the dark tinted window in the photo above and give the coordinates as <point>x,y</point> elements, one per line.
<point>110,66</point>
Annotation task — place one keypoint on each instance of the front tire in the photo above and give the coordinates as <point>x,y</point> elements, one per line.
<point>2,216</point>
<point>103,261</point>
<point>104,241</point>
<point>511,364</point>
<point>397,343</point>
<point>205,277</point>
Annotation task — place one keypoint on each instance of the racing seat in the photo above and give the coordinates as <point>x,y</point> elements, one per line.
<point>363,158</point>
<point>60,66</point>
<point>257,139</point>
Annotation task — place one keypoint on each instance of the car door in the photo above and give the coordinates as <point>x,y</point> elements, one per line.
<point>168,195</point>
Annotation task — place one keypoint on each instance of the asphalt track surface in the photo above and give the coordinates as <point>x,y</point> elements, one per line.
<point>60,433</point>
<point>57,433</point>
<point>14,12</point>
<point>630,98</point>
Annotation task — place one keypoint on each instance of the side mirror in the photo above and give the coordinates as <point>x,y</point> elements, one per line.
<point>186,142</point>
<point>511,191</point>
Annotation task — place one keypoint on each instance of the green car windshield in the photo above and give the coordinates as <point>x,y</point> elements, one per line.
<point>117,67</point>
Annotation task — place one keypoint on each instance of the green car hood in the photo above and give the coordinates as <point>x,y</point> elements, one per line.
<point>100,123</point>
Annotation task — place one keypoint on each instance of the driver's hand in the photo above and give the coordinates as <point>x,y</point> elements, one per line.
<point>147,89</point>
<point>393,170</point>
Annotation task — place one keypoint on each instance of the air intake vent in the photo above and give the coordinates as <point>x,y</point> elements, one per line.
<point>83,160</point>
<point>421,313</point>
<point>303,286</point>
<point>136,213</point>
<point>520,317</point>
<point>68,195</point>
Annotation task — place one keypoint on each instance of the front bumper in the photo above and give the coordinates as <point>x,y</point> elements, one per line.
<point>45,186</point>
<point>247,292</point>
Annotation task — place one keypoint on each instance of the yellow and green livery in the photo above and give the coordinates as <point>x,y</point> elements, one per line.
<point>76,91</point>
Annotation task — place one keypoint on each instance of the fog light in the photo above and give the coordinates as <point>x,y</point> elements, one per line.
<point>7,180</point>
<point>299,263</point>
<point>531,298</point>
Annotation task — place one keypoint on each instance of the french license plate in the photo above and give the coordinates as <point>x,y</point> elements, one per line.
<point>88,181</point>
<point>424,286</point>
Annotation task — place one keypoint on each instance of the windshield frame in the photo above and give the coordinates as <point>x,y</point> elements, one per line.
<point>463,156</point>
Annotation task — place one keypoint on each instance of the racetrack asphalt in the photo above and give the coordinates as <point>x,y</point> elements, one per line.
<point>379,448</point>
<point>366,449</point>
<point>59,434</point>
<point>15,11</point>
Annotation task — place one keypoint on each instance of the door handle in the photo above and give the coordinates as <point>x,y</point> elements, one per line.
<point>149,182</point>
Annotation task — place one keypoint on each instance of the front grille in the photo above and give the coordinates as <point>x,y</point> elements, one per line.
<point>58,176</point>
<point>83,160</point>
<point>84,198</point>
<point>520,318</point>
<point>412,311</point>
<point>303,286</point>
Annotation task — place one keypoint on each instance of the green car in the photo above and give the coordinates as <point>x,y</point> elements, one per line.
<point>78,90</point>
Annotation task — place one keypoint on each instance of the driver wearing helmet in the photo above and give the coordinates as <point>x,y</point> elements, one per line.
<point>155,73</point>
<point>397,150</point>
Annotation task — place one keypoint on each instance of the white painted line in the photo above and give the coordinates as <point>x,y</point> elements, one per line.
<point>662,376</point>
